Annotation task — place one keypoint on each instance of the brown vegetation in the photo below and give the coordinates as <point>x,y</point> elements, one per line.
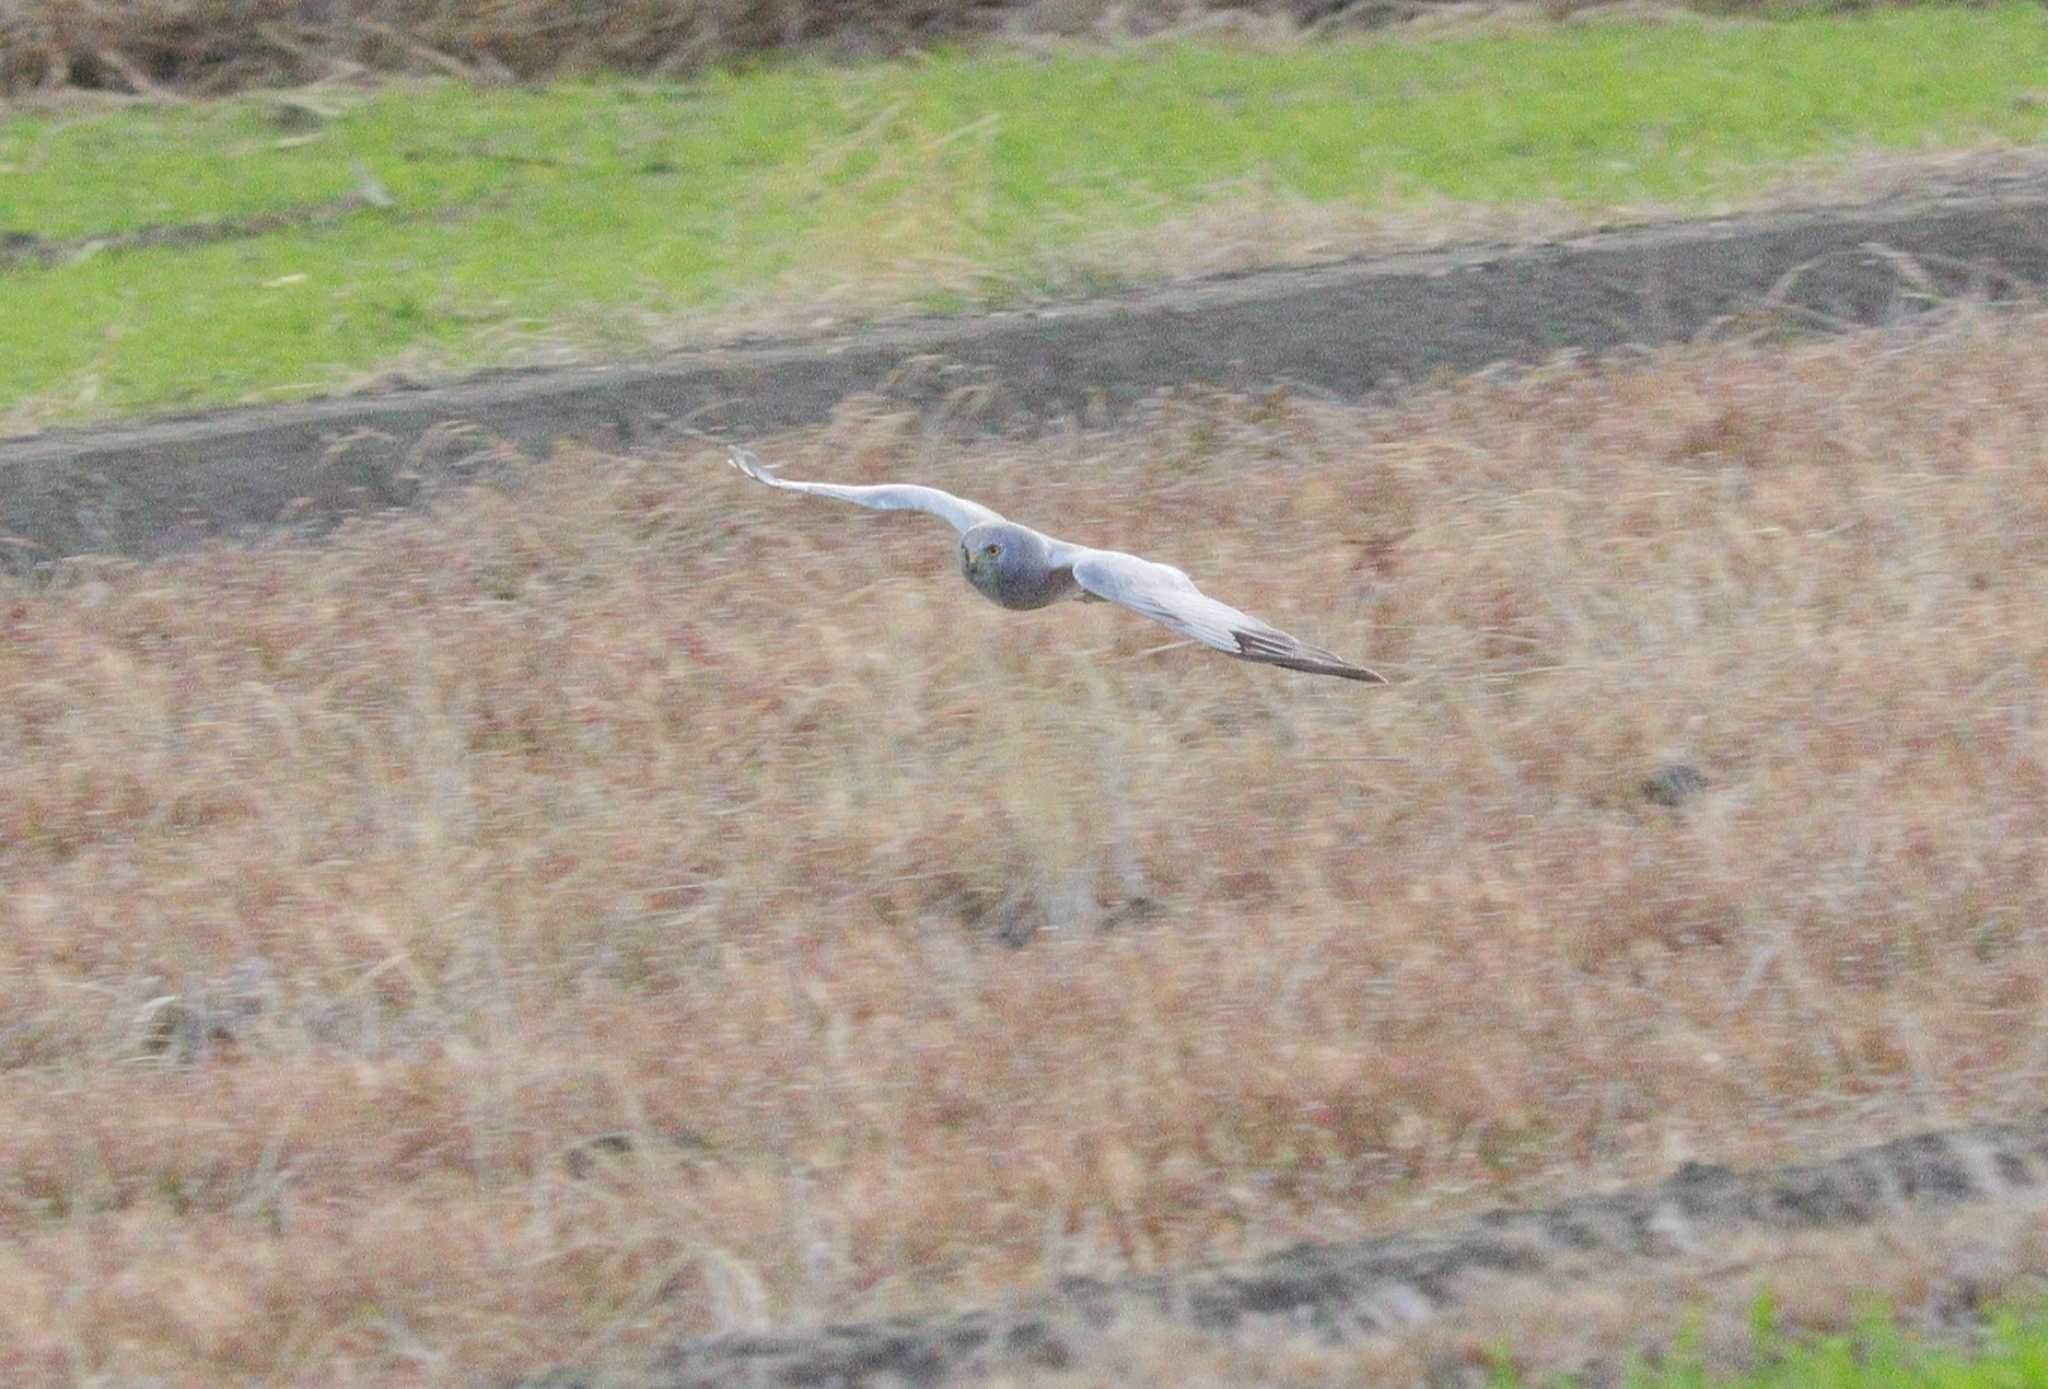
<point>639,904</point>
<point>154,48</point>
<point>205,46</point>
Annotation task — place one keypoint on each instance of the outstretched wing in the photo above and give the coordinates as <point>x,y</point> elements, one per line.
<point>958,512</point>
<point>1164,594</point>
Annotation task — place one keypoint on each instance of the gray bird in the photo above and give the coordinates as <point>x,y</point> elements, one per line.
<point>1017,567</point>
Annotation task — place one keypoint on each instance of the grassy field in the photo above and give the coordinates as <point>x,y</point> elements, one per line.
<point>644,904</point>
<point>531,224</point>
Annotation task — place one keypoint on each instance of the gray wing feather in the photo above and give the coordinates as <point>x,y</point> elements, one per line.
<point>1168,596</point>
<point>957,512</point>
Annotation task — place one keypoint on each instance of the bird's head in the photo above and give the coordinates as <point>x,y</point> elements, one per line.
<point>995,555</point>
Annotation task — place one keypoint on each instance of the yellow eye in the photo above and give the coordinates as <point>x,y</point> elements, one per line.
<point>993,550</point>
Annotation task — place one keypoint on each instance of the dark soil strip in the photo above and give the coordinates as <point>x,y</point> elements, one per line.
<point>1349,330</point>
<point>18,248</point>
<point>1372,1286</point>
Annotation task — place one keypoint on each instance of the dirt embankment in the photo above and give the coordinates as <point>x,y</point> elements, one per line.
<point>1346,330</point>
<point>1386,1285</point>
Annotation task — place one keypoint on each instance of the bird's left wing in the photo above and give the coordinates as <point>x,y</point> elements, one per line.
<point>957,512</point>
<point>1164,594</point>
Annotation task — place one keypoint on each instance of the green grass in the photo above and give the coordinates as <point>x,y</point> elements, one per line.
<point>591,214</point>
<point>1876,1355</point>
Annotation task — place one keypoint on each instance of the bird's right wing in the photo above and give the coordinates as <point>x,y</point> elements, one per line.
<point>957,512</point>
<point>1166,595</point>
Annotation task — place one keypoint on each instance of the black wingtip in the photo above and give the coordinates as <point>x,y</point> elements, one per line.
<point>1279,649</point>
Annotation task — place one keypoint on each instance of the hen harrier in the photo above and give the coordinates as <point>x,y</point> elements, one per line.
<point>1017,567</point>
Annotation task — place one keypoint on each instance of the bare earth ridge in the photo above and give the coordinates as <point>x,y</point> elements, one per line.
<point>1348,329</point>
<point>1345,1292</point>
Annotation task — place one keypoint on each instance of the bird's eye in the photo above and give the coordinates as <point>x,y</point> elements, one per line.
<point>993,550</point>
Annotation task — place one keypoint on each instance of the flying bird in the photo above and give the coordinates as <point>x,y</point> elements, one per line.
<point>1017,567</point>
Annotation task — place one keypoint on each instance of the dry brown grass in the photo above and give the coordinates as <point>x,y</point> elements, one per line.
<point>160,49</point>
<point>578,918</point>
<point>155,47</point>
<point>145,46</point>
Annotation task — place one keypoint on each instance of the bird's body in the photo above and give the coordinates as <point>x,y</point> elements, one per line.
<point>1015,567</point>
<point>1019,568</point>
